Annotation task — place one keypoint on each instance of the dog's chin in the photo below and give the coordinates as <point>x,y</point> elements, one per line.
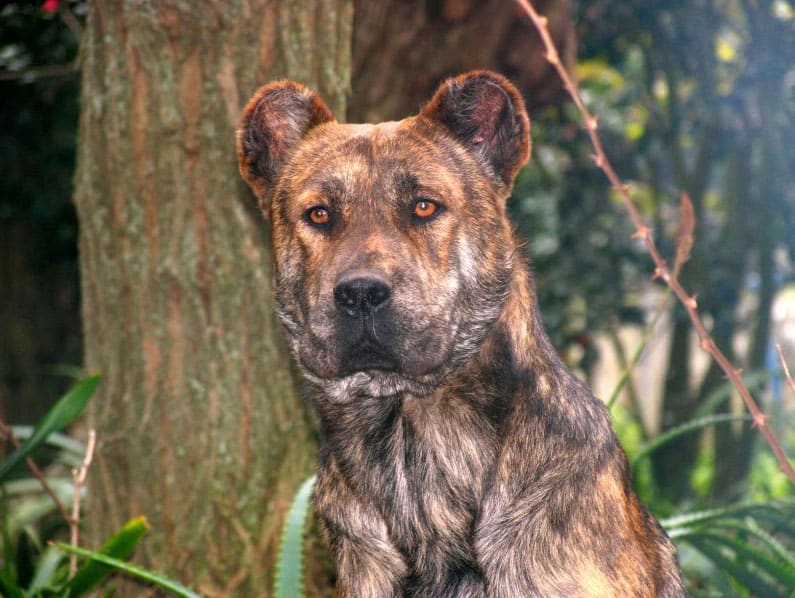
<point>373,384</point>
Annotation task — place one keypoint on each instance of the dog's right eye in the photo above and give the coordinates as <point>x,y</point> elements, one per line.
<point>424,210</point>
<point>319,217</point>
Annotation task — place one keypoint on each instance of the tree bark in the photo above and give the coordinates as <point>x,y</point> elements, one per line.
<point>198,422</point>
<point>403,50</point>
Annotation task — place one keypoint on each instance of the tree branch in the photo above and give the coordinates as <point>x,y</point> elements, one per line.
<point>41,72</point>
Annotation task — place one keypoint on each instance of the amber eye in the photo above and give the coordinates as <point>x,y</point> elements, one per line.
<point>318,216</point>
<point>425,209</point>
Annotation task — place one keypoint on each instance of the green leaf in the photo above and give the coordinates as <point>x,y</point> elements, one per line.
<point>699,517</point>
<point>686,428</point>
<point>290,566</point>
<point>46,569</point>
<point>172,586</point>
<point>65,411</point>
<point>746,552</point>
<point>71,451</point>
<point>120,546</point>
<point>778,571</point>
<point>751,528</point>
<point>32,509</point>
<point>10,590</point>
<point>752,580</point>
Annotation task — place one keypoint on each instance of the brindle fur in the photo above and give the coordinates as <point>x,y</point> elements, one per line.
<point>459,456</point>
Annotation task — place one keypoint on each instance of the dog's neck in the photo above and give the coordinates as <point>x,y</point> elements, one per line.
<point>518,334</point>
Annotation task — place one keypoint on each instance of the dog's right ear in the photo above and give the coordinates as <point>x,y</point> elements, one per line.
<point>276,118</point>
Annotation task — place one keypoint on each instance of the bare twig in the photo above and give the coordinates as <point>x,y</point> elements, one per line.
<point>7,432</point>
<point>68,17</point>
<point>644,233</point>
<point>787,375</point>
<point>41,72</point>
<point>79,477</point>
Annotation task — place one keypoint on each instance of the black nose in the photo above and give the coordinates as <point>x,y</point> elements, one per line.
<point>361,296</point>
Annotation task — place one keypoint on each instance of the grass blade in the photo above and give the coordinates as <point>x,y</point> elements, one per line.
<point>46,569</point>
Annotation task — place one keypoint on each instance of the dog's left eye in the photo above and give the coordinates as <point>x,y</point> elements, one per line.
<point>319,217</point>
<point>425,210</point>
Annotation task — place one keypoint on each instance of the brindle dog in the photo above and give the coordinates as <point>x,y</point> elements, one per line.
<point>459,456</point>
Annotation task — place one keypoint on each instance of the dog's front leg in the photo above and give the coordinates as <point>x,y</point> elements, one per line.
<point>368,564</point>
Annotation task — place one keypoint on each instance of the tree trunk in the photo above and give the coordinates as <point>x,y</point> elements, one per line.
<point>421,43</point>
<point>199,424</point>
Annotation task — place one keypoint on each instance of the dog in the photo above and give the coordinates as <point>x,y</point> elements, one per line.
<point>459,456</point>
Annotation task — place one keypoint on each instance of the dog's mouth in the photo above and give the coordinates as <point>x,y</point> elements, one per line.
<point>367,355</point>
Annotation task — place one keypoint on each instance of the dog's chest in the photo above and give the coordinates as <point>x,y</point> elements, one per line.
<point>433,479</point>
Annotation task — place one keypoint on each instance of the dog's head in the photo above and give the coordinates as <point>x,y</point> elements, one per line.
<point>392,251</point>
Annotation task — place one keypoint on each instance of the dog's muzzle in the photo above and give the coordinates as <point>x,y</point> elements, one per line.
<point>360,301</point>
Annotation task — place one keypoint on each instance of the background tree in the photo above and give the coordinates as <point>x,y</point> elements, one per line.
<point>705,93</point>
<point>198,419</point>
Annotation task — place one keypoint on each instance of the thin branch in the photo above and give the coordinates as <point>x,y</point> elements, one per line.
<point>70,20</point>
<point>644,233</point>
<point>7,432</point>
<point>41,72</point>
<point>79,477</point>
<point>790,382</point>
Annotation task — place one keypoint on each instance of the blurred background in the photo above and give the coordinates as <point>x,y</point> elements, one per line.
<point>693,96</point>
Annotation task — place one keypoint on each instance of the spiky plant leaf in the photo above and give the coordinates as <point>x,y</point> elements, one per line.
<point>290,566</point>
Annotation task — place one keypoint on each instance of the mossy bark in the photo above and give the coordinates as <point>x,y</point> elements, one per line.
<point>199,421</point>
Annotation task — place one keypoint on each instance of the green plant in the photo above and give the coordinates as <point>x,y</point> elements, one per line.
<point>745,549</point>
<point>749,548</point>
<point>290,566</point>
<point>32,563</point>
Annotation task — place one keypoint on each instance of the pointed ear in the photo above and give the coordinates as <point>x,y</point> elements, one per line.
<point>486,113</point>
<point>276,118</point>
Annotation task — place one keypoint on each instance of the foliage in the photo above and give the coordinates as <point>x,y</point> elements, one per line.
<point>750,548</point>
<point>39,305</point>
<point>32,564</point>
<point>741,549</point>
<point>692,97</point>
<point>64,412</point>
<point>104,561</point>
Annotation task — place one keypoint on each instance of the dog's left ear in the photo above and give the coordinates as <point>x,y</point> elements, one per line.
<point>486,113</point>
